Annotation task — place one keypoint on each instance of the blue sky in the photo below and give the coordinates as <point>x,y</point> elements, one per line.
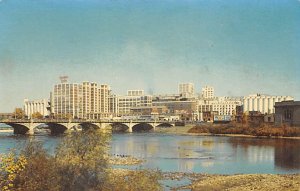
<point>239,47</point>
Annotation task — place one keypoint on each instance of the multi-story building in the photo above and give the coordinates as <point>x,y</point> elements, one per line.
<point>125,103</point>
<point>95,100</point>
<point>67,100</point>
<point>226,105</point>
<point>166,97</point>
<point>263,103</point>
<point>219,105</point>
<point>177,106</point>
<point>36,106</point>
<point>186,90</point>
<point>87,100</point>
<point>208,92</point>
<point>113,105</point>
<point>104,94</point>
<point>149,110</point>
<point>135,92</point>
<point>287,113</point>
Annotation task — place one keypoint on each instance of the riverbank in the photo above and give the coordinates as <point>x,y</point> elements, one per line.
<point>245,182</point>
<point>218,130</point>
<point>209,182</point>
<point>216,182</point>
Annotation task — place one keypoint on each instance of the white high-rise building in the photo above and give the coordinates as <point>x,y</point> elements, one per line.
<point>95,100</point>
<point>208,92</point>
<point>86,100</point>
<point>40,106</point>
<point>67,100</point>
<point>263,103</point>
<point>186,90</point>
<point>113,105</point>
<point>104,98</point>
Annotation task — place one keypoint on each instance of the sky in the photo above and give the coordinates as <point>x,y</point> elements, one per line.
<point>239,47</point>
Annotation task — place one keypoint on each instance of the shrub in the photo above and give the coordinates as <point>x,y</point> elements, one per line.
<point>80,162</point>
<point>11,166</point>
<point>134,180</point>
<point>263,130</point>
<point>83,160</point>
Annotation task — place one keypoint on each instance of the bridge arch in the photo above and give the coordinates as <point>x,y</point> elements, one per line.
<point>118,127</point>
<point>41,128</point>
<point>88,125</point>
<point>166,124</point>
<point>18,128</point>
<point>57,128</point>
<point>142,127</point>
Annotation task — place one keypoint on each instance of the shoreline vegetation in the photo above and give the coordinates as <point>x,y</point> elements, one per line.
<point>233,129</point>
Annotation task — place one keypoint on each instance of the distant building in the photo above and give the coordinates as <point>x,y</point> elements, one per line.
<point>184,108</point>
<point>287,112</point>
<point>254,117</point>
<point>149,110</point>
<point>263,103</point>
<point>113,105</point>
<point>186,90</point>
<point>135,92</point>
<point>269,118</point>
<point>208,116</point>
<point>166,97</point>
<point>88,100</point>
<point>67,100</point>
<point>95,100</point>
<point>208,92</point>
<point>219,105</point>
<point>40,106</point>
<point>6,116</point>
<point>125,103</point>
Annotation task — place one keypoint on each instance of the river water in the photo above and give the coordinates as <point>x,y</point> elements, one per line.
<point>185,153</point>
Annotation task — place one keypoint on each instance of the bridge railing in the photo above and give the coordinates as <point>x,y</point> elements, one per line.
<point>83,121</point>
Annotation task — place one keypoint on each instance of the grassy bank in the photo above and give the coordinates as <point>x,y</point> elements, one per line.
<point>238,129</point>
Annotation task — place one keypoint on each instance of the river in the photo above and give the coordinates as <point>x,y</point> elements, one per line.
<point>186,153</point>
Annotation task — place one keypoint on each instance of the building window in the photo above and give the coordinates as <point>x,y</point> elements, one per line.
<point>288,114</point>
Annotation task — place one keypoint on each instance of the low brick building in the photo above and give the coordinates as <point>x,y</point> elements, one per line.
<point>288,113</point>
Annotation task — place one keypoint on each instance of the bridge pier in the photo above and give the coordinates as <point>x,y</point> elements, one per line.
<point>130,125</point>
<point>30,131</point>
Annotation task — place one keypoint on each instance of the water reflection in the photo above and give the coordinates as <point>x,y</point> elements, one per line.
<point>283,153</point>
<point>223,155</point>
<point>287,155</point>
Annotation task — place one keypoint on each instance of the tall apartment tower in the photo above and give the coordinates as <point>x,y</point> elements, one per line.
<point>186,90</point>
<point>208,92</point>
<point>88,100</point>
<point>67,100</point>
<point>113,104</point>
<point>95,100</point>
<point>104,98</point>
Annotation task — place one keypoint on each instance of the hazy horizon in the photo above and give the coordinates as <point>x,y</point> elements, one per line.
<point>238,47</point>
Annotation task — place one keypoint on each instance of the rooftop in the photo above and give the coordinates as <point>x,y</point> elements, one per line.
<point>287,103</point>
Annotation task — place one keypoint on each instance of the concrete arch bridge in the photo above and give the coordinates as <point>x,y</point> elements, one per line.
<point>61,126</point>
